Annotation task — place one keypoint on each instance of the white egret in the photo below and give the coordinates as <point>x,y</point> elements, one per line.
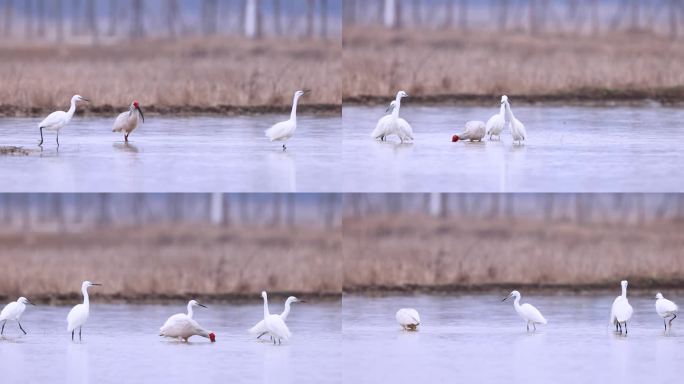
<point>474,131</point>
<point>128,121</point>
<point>400,127</point>
<point>408,318</point>
<point>78,315</point>
<point>284,130</point>
<point>621,311</point>
<point>517,128</point>
<point>529,313</point>
<point>260,327</point>
<point>13,311</point>
<point>497,123</point>
<point>182,326</point>
<point>57,120</point>
<point>275,325</point>
<point>664,307</point>
<point>385,125</point>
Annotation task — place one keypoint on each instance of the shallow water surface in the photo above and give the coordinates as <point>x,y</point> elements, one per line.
<point>569,149</point>
<point>194,154</point>
<point>476,338</point>
<point>120,345</point>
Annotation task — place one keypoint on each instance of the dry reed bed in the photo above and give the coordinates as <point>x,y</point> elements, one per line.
<point>399,251</point>
<point>378,62</point>
<point>170,76</point>
<point>172,261</point>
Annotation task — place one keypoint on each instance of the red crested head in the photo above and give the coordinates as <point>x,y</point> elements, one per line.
<point>135,104</point>
<point>454,138</point>
<point>212,337</point>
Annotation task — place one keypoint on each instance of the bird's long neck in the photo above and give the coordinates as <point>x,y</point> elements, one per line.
<point>624,292</point>
<point>516,302</point>
<point>72,110</point>
<point>203,332</point>
<point>397,105</point>
<point>86,299</point>
<point>265,307</point>
<point>293,114</point>
<point>286,311</point>
<point>509,113</point>
<point>502,111</point>
<point>190,312</point>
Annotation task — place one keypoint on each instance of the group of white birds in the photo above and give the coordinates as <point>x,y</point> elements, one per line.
<point>620,312</point>
<point>392,124</point>
<point>126,122</point>
<point>180,326</point>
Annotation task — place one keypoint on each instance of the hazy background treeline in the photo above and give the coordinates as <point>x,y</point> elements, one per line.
<point>95,20</point>
<point>156,246</point>
<point>463,241</point>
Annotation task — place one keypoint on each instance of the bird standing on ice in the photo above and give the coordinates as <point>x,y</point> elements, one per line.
<point>57,120</point>
<point>529,313</point>
<point>664,307</point>
<point>13,311</point>
<point>182,326</point>
<point>400,127</point>
<point>78,315</point>
<point>408,318</point>
<point>497,123</point>
<point>384,127</point>
<point>517,128</point>
<point>260,327</point>
<point>621,311</point>
<point>275,326</point>
<point>128,121</point>
<point>284,130</point>
<point>474,131</point>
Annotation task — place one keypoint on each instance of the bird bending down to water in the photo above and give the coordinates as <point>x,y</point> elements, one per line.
<point>474,131</point>
<point>497,123</point>
<point>408,318</point>
<point>78,315</point>
<point>621,311</point>
<point>12,312</point>
<point>57,120</point>
<point>128,121</point>
<point>529,313</point>
<point>664,307</point>
<point>260,327</point>
<point>517,128</point>
<point>284,130</point>
<point>182,326</point>
<point>275,326</point>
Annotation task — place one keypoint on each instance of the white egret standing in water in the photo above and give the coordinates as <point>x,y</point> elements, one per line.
<point>474,131</point>
<point>78,315</point>
<point>497,123</point>
<point>664,307</point>
<point>128,121</point>
<point>529,313</point>
<point>260,327</point>
<point>621,311</point>
<point>408,318</point>
<point>182,326</point>
<point>517,128</point>
<point>57,120</point>
<point>400,126</point>
<point>384,127</point>
<point>275,325</point>
<point>13,311</point>
<point>284,130</point>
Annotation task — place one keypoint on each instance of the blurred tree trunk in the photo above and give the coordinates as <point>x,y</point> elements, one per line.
<point>59,21</point>
<point>595,20</point>
<point>29,18</point>
<point>503,15</point>
<point>463,15</point>
<point>417,12</point>
<point>172,14</point>
<point>291,209</point>
<point>673,18</point>
<point>75,17</point>
<point>91,18</point>
<point>209,17</point>
<point>310,9</point>
<point>253,19</point>
<point>41,18</point>
<point>350,12</point>
<point>635,12</point>
<point>8,18</point>
<point>277,18</point>
<point>226,210</point>
<point>137,23</point>
<point>111,31</point>
<point>276,219</point>
<point>324,18</point>
<point>449,14</point>
<point>532,17</point>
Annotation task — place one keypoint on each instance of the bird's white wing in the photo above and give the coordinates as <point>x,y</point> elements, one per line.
<point>258,328</point>
<point>495,124</point>
<point>281,131</point>
<point>179,325</point>
<point>277,327</point>
<point>76,317</point>
<point>405,128</point>
<point>55,118</point>
<point>622,310</point>
<point>521,129</point>
<point>533,313</point>
<point>383,128</point>
<point>121,122</point>
<point>8,313</point>
<point>408,316</point>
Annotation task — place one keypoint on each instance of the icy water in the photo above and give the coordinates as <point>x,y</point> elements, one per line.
<point>479,339</point>
<point>120,345</point>
<point>194,154</point>
<point>569,149</point>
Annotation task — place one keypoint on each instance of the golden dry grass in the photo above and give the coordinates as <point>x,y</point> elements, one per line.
<point>172,261</point>
<point>170,75</point>
<point>401,251</point>
<point>378,62</point>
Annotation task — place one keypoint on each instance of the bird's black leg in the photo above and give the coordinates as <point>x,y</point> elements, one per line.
<point>674,317</point>
<point>22,329</point>
<point>126,137</point>
<point>535,327</point>
<point>41,136</point>
<point>274,341</point>
<point>284,147</point>
<point>258,337</point>
<point>3,327</point>
<point>58,138</point>
<point>80,329</point>
<point>665,324</point>
<point>528,327</point>
<point>72,335</point>
<point>625,327</point>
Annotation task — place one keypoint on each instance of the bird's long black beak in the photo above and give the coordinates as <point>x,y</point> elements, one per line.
<point>505,298</point>
<point>97,284</point>
<point>30,302</point>
<point>84,99</point>
<point>301,301</point>
<point>141,114</point>
<point>306,91</point>
<point>201,305</point>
